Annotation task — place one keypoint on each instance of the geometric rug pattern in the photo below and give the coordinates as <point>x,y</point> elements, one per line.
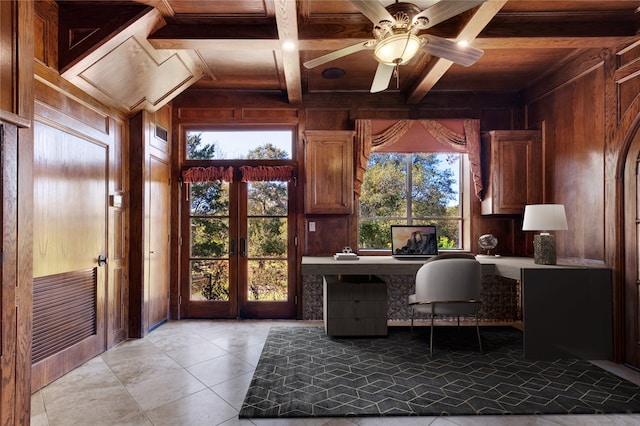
<point>302,372</point>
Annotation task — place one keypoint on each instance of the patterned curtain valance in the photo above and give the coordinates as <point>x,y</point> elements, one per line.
<point>207,174</point>
<point>468,142</point>
<point>266,173</point>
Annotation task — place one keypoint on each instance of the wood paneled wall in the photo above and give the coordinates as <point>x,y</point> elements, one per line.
<point>16,162</point>
<point>571,116</point>
<point>588,111</point>
<point>71,125</point>
<point>497,112</point>
<point>150,171</point>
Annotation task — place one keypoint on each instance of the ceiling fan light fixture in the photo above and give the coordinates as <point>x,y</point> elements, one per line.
<point>397,49</point>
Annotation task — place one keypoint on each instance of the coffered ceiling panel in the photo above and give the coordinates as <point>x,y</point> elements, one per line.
<point>263,45</point>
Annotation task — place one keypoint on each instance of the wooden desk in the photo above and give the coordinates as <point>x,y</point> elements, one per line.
<point>567,308</point>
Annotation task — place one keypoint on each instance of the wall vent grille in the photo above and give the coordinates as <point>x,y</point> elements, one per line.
<point>64,311</point>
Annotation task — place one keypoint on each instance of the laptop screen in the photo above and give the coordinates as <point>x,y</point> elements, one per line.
<point>413,240</point>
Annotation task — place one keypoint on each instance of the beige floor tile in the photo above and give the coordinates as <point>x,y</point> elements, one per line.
<point>234,390</point>
<point>197,353</point>
<point>139,369</point>
<point>220,369</point>
<point>163,379</point>
<point>162,389</point>
<point>199,409</point>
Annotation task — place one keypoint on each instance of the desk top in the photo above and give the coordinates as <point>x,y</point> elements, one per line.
<point>509,267</point>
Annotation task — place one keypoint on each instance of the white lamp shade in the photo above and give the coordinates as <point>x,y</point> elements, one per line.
<point>397,49</point>
<point>544,217</point>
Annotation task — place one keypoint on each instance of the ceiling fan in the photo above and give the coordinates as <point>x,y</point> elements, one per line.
<point>396,41</point>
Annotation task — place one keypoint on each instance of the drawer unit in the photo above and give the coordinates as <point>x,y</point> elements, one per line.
<point>354,305</point>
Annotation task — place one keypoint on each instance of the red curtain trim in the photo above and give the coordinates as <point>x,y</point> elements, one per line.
<point>266,173</point>
<point>207,174</point>
<point>468,142</point>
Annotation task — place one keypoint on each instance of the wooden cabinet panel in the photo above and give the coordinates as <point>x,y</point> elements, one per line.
<point>512,169</point>
<point>329,172</point>
<point>357,307</point>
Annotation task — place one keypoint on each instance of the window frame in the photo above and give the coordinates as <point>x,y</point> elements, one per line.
<point>465,207</point>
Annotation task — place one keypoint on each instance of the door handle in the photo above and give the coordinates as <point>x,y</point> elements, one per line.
<point>102,260</point>
<point>232,247</point>
<point>243,247</point>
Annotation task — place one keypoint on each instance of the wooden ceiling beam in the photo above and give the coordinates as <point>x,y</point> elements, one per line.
<point>286,20</point>
<point>238,44</point>
<point>470,31</point>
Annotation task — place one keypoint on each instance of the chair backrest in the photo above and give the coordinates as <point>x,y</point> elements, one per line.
<point>448,279</point>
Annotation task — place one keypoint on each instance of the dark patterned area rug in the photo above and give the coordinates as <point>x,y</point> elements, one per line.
<point>304,373</point>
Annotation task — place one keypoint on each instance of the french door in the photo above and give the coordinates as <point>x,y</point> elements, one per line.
<point>236,261</point>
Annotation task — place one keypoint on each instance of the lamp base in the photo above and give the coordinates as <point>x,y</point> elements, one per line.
<point>544,249</point>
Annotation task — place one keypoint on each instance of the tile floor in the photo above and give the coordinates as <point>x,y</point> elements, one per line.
<point>196,373</point>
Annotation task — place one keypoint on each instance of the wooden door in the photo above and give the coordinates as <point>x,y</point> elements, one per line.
<point>158,277</point>
<point>69,233</point>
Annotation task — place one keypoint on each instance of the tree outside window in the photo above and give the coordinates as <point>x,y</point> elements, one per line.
<point>411,189</point>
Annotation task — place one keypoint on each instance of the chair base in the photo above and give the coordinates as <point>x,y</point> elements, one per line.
<point>433,327</point>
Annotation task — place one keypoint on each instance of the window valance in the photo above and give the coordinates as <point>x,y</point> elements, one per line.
<point>247,174</point>
<point>266,173</point>
<point>207,174</point>
<point>452,141</point>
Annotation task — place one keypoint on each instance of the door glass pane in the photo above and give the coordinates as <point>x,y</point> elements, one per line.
<point>268,237</point>
<point>210,198</point>
<point>210,242</point>
<point>209,237</point>
<point>210,280</point>
<point>267,280</point>
<point>267,241</point>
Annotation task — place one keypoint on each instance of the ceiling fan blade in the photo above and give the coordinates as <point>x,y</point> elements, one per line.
<point>446,9</point>
<point>336,54</point>
<point>382,77</point>
<point>373,10</point>
<point>447,49</point>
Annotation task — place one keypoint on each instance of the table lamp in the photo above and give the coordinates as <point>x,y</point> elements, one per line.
<point>544,217</point>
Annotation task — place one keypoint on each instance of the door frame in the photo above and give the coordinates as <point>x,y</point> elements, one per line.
<point>197,309</point>
<point>630,210</point>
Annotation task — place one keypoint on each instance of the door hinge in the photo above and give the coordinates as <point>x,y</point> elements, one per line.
<point>180,300</point>
<point>295,241</point>
<point>295,300</point>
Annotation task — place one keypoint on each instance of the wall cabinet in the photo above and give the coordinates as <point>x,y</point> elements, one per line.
<point>329,172</point>
<point>512,169</point>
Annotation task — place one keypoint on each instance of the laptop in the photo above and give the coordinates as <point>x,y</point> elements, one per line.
<point>413,241</point>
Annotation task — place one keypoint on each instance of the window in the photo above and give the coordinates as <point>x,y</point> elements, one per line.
<point>235,145</point>
<point>415,189</point>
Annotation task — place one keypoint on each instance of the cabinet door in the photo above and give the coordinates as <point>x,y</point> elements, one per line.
<point>329,172</point>
<point>513,160</point>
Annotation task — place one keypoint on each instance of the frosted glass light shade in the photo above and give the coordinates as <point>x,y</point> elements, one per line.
<point>544,217</point>
<point>397,49</point>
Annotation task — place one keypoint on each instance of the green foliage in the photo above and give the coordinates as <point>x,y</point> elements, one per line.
<point>197,152</point>
<point>209,280</point>
<point>267,231</point>
<point>385,199</point>
<point>267,151</point>
<point>268,280</point>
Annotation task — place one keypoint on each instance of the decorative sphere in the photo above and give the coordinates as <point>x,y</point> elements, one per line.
<point>487,241</point>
